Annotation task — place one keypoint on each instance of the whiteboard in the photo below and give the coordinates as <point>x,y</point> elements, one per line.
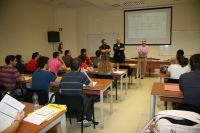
<point>94,41</point>
<point>188,41</point>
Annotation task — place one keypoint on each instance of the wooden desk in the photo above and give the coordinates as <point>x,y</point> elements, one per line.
<point>26,127</point>
<point>119,76</point>
<point>151,64</point>
<point>162,75</point>
<point>158,90</point>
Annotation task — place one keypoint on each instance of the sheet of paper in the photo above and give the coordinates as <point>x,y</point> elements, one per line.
<point>27,78</point>
<point>118,71</point>
<point>94,83</point>
<point>171,88</point>
<point>9,107</point>
<point>41,115</point>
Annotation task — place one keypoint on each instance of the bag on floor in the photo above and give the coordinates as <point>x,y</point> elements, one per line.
<point>163,69</point>
<point>161,124</point>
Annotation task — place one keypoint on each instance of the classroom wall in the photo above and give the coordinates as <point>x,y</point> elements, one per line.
<point>94,20</point>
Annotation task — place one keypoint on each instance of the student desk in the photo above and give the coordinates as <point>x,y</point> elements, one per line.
<point>119,76</point>
<point>162,75</point>
<point>158,90</point>
<point>26,127</point>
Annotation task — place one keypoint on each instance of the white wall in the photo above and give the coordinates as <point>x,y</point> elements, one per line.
<point>185,17</point>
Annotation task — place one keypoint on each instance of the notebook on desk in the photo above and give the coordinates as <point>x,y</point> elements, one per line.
<point>171,87</point>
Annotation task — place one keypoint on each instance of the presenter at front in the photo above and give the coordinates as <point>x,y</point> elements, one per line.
<point>119,48</point>
<point>104,48</point>
<point>142,59</point>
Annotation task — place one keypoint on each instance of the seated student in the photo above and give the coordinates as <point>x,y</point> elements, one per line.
<point>56,63</point>
<point>84,52</point>
<point>14,126</point>
<point>84,65</point>
<point>32,64</point>
<point>20,67</point>
<point>72,84</point>
<point>189,84</point>
<point>9,75</point>
<point>67,58</point>
<point>104,66</point>
<point>42,78</point>
<point>96,61</point>
<point>173,60</point>
<point>175,70</point>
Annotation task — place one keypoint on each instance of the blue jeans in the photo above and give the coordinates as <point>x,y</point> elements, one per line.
<point>89,112</point>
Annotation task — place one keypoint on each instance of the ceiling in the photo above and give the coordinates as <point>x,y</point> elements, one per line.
<point>112,4</point>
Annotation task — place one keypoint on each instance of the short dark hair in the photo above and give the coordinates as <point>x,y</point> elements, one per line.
<point>183,61</point>
<point>9,58</point>
<point>82,57</point>
<point>83,50</point>
<point>98,53</point>
<point>42,61</point>
<point>34,55</point>
<point>66,52</point>
<point>180,52</point>
<point>18,57</point>
<point>75,64</point>
<point>55,54</point>
<point>195,62</point>
<point>102,40</point>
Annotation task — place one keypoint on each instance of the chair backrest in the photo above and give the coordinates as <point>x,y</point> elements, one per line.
<point>101,76</point>
<point>2,87</point>
<point>75,104</point>
<point>43,96</point>
<point>29,72</point>
<point>176,81</point>
<point>126,67</point>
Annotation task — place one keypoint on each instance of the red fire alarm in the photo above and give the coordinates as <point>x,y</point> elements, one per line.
<point>60,29</point>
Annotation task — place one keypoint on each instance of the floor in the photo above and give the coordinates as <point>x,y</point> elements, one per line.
<point>129,116</point>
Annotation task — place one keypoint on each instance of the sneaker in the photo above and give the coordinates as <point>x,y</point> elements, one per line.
<point>84,121</point>
<point>96,123</point>
<point>91,125</point>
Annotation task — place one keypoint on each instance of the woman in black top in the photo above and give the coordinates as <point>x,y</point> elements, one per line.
<point>20,67</point>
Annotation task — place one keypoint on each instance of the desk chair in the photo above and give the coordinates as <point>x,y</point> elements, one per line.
<point>43,96</point>
<point>129,73</point>
<point>75,106</point>
<point>100,76</point>
<point>28,72</point>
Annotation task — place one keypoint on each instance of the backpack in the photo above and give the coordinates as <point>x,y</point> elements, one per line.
<point>9,92</point>
<point>163,69</point>
<point>161,124</point>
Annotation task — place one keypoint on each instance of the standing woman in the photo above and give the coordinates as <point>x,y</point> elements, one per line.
<point>20,66</point>
<point>105,66</point>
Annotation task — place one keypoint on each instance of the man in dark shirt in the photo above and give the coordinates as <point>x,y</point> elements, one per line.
<point>104,48</point>
<point>67,58</point>
<point>190,86</point>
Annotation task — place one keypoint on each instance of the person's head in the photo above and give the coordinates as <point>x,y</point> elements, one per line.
<point>195,62</point>
<point>105,57</point>
<point>19,58</point>
<point>103,41</point>
<point>82,57</point>
<point>180,52</point>
<point>11,60</point>
<point>35,56</point>
<point>56,55</point>
<point>98,53</point>
<point>68,52</point>
<point>183,61</point>
<point>42,62</point>
<point>84,51</point>
<point>118,40</point>
<point>75,64</point>
<point>143,42</point>
<point>104,64</point>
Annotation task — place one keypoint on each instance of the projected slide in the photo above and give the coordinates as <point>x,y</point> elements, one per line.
<point>148,25</point>
<point>152,24</point>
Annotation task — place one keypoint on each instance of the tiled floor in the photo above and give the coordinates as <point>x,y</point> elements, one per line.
<point>129,116</point>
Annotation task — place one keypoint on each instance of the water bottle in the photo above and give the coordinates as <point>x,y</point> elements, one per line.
<point>35,102</point>
<point>117,66</point>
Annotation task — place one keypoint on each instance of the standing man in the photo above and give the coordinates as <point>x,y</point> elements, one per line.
<point>104,48</point>
<point>119,48</point>
<point>142,59</point>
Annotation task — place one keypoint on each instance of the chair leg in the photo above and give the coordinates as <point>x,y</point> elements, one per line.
<point>82,122</point>
<point>116,87</point>
<point>70,120</point>
<point>93,112</point>
<point>165,105</point>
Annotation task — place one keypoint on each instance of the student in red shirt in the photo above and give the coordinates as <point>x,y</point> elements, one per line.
<point>84,65</point>
<point>32,64</point>
<point>84,52</point>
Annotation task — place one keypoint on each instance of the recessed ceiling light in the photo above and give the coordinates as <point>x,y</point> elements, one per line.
<point>116,5</point>
<point>133,3</point>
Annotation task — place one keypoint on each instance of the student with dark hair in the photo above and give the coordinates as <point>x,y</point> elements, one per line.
<point>179,52</point>
<point>32,64</point>
<point>72,84</point>
<point>20,66</point>
<point>56,63</point>
<point>42,78</point>
<point>175,70</point>
<point>67,58</point>
<point>104,48</point>
<point>98,55</point>
<point>84,65</point>
<point>9,74</point>
<point>84,52</point>
<point>189,84</point>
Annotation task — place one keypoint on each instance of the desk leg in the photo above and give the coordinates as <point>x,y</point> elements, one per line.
<point>159,79</point>
<point>101,108</point>
<point>63,124</point>
<point>131,76</point>
<point>140,74</point>
<point>121,88</point>
<point>152,108</point>
<point>137,79</point>
<point>127,81</point>
<point>111,108</point>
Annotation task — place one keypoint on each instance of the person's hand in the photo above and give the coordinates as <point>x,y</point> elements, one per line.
<point>20,116</point>
<point>82,70</point>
